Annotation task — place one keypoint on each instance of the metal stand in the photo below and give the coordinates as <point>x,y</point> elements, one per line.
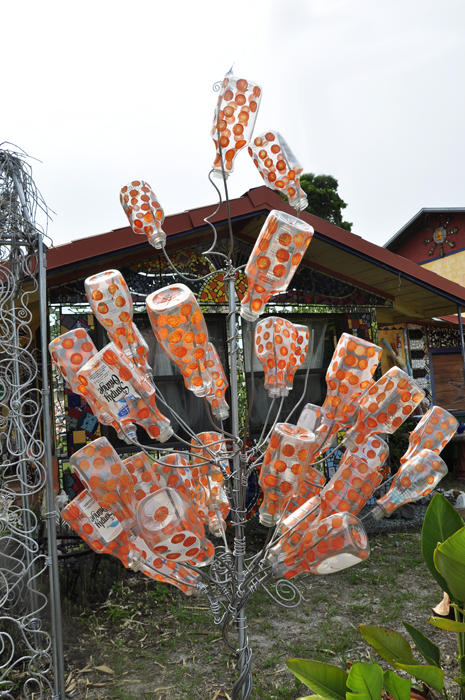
<point>25,461</point>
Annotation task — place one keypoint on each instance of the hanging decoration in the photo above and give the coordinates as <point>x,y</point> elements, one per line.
<point>433,432</point>
<point>278,167</point>
<point>275,348</point>
<point>233,121</point>
<point>277,253</point>
<point>216,395</point>
<point>180,328</point>
<point>144,212</point>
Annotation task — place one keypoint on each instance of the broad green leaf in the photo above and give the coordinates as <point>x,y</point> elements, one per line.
<point>440,522</point>
<point>312,697</point>
<point>396,686</point>
<point>429,651</point>
<point>459,681</point>
<point>431,675</point>
<point>366,680</point>
<point>449,625</point>
<point>389,644</point>
<point>325,679</point>
<point>449,560</point>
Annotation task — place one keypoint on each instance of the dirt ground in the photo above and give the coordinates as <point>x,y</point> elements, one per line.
<point>136,639</point>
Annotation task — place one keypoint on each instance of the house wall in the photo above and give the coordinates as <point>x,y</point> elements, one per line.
<point>418,251</point>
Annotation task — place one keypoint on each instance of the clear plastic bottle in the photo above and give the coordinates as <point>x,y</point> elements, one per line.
<point>180,328</point>
<point>276,255</point>
<point>275,347</point>
<point>210,498</point>
<point>433,432</point>
<point>216,395</point>
<point>278,167</point>
<point>144,211</point>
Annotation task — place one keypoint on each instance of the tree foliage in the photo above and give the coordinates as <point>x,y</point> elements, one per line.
<point>323,198</point>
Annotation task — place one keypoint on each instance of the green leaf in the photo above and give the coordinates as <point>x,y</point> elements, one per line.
<point>325,679</point>
<point>430,652</point>
<point>312,697</point>
<point>389,644</point>
<point>449,625</point>
<point>431,675</point>
<point>449,560</point>
<point>366,680</point>
<point>440,522</point>
<point>459,681</point>
<point>396,686</point>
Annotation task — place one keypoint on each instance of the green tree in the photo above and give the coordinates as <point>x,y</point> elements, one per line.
<point>323,198</point>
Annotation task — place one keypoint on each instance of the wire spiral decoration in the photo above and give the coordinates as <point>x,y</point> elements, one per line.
<point>25,647</point>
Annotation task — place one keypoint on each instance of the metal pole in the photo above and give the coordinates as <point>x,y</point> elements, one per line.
<point>55,601</point>
<point>238,474</point>
<point>462,345</point>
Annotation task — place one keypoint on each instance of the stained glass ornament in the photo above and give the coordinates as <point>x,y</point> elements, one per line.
<point>384,407</point>
<point>275,348</point>
<point>433,432</point>
<point>111,304</point>
<point>180,328</point>
<point>144,211</point>
<point>70,352</point>
<point>108,480</point>
<point>277,253</point>
<point>285,462</point>
<point>278,167</point>
<point>233,121</point>
<point>329,545</point>
<point>216,395</point>
<point>170,527</point>
<point>415,479</point>
<point>124,391</point>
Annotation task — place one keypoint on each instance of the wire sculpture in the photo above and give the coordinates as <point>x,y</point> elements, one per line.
<point>26,648</point>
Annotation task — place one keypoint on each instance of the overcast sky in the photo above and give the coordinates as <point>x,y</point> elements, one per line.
<point>103,92</point>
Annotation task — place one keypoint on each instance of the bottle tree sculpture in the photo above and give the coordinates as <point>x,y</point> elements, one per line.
<point>159,514</point>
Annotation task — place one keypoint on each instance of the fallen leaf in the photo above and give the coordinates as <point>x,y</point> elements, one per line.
<point>105,669</point>
<point>443,607</point>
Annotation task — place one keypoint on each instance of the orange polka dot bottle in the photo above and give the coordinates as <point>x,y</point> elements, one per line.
<point>285,463</point>
<point>384,407</point>
<point>210,500</point>
<point>415,479</point>
<point>329,545</point>
<point>354,482</point>
<point>180,328</point>
<point>216,395</point>
<point>300,353</point>
<point>278,167</point>
<point>144,478</point>
<point>170,527</point>
<point>111,304</point>
<point>70,352</point>
<point>349,374</point>
<point>104,534</point>
<point>433,432</point>
<point>125,392</point>
<point>144,212</point>
<point>233,121</point>
<point>311,486</point>
<point>275,346</point>
<point>106,477</point>
<point>275,257</point>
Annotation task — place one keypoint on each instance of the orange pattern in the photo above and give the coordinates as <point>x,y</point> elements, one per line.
<point>415,479</point>
<point>111,303</point>
<point>278,167</point>
<point>384,407</point>
<point>70,352</point>
<point>328,545</point>
<point>234,120</point>
<point>433,432</point>
<point>132,553</point>
<point>144,212</point>
<point>180,328</point>
<point>216,395</point>
<point>285,463</point>
<point>276,349</point>
<point>300,353</point>
<point>124,391</point>
<point>210,497</point>
<point>275,257</point>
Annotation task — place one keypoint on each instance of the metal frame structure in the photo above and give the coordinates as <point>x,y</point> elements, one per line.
<point>29,651</point>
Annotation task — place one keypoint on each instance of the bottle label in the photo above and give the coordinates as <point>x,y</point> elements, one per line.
<point>117,393</point>
<point>107,526</point>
